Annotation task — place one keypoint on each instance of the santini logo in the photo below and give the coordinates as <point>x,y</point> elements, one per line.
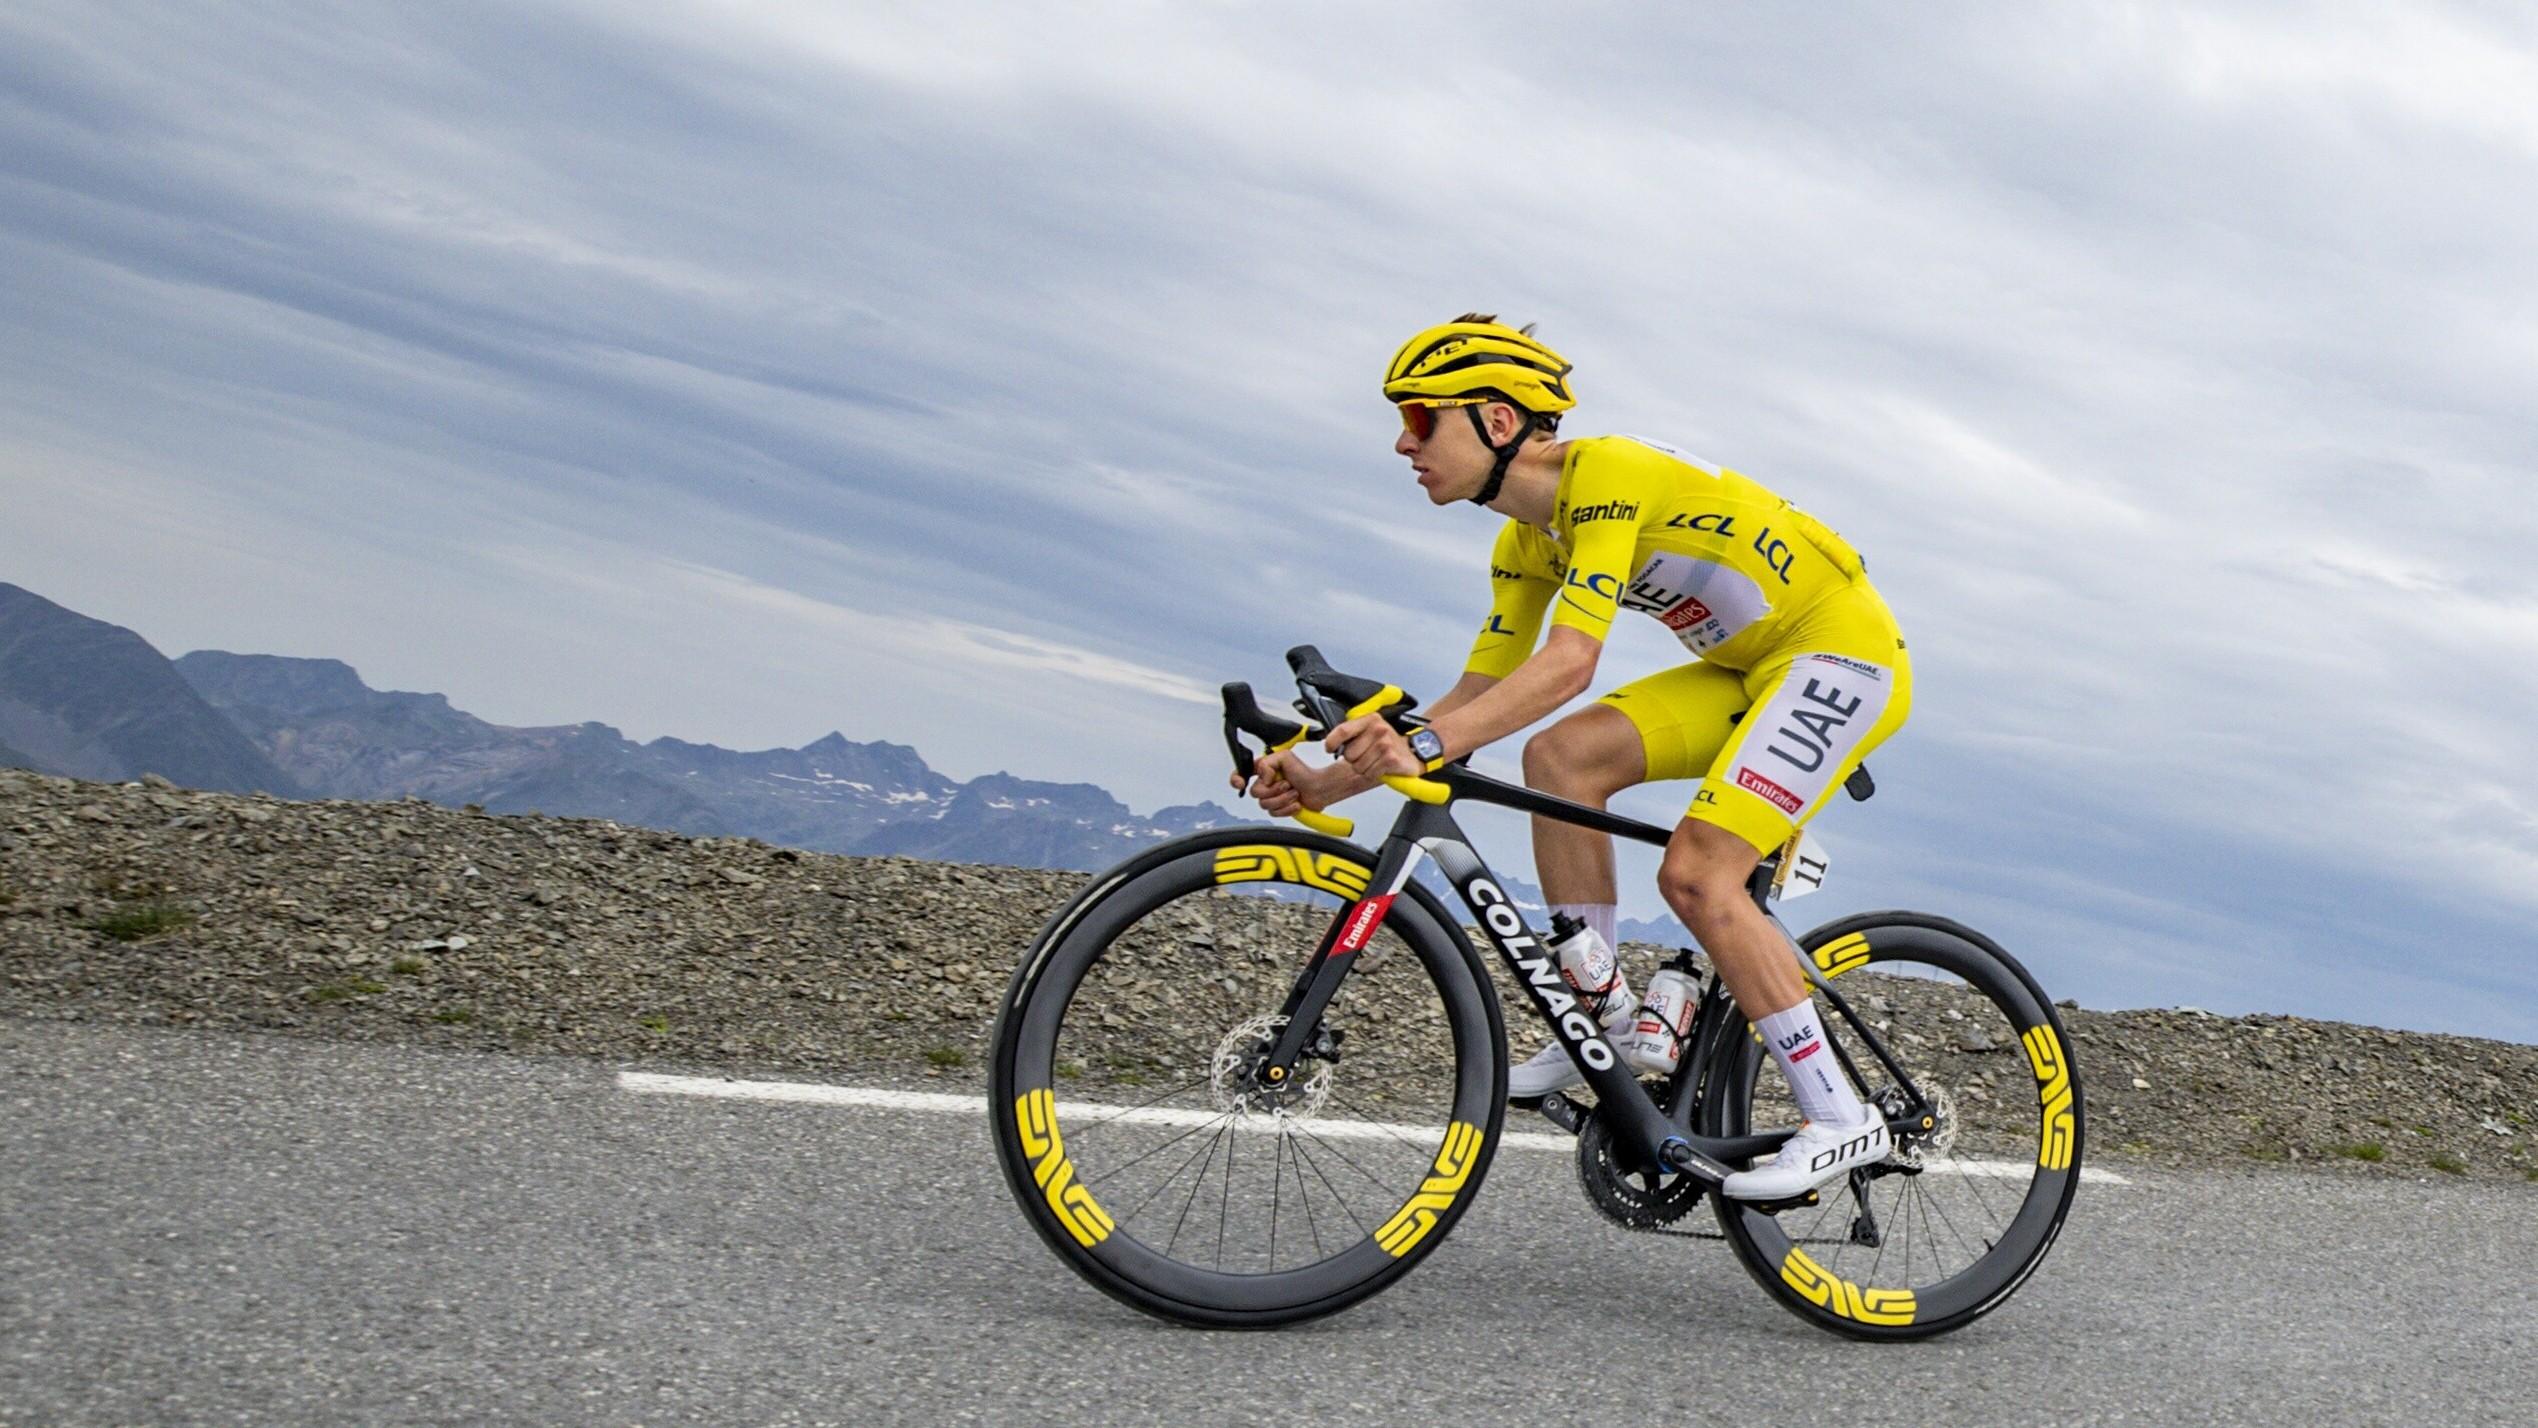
<point>1605,511</point>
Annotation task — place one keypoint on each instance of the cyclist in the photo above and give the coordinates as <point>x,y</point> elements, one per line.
<point>1799,672</point>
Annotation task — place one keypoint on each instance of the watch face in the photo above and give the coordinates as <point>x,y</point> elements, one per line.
<point>1427,745</point>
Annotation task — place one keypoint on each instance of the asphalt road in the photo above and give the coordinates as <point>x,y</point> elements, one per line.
<point>205,1227</point>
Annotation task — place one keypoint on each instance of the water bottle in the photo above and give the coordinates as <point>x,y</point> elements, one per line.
<point>1589,967</point>
<point>1665,1018</point>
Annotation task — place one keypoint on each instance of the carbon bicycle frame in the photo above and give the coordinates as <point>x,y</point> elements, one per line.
<point>1641,1128</point>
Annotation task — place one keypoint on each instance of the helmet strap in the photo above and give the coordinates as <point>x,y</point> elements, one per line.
<point>1506,454</point>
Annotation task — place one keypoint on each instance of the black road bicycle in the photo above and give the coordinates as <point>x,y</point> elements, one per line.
<point>1219,1128</point>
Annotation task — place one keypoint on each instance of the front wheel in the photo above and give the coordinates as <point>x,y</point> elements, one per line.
<point>1145,1152</point>
<point>1983,1172</point>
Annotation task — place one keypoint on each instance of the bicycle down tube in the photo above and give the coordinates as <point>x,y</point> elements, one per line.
<point>1429,829</point>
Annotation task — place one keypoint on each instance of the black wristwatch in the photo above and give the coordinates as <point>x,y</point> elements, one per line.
<point>1429,748</point>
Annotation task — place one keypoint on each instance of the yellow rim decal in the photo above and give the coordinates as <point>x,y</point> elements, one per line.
<point>1839,956</point>
<point>1271,863</point>
<point>1830,1291</point>
<point>1035,1115</point>
<point>1454,1161</point>
<point>2053,1090</point>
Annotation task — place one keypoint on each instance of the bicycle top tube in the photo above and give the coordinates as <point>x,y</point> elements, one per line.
<point>1329,697</point>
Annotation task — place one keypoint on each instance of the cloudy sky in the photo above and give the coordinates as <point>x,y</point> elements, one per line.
<point>999,379</point>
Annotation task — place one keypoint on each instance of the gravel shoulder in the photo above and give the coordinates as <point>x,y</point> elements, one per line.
<point>412,923</point>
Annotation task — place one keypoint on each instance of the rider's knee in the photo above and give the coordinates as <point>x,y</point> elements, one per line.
<point>1700,891</point>
<point>1554,764</point>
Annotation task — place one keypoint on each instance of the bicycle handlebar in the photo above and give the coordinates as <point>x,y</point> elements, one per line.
<point>1330,699</point>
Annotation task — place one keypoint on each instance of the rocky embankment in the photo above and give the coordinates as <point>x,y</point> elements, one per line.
<point>412,922</point>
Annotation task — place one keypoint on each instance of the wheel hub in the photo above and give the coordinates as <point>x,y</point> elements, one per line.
<point>1235,1079</point>
<point>1916,1146</point>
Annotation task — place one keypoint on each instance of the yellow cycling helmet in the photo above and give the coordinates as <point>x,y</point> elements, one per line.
<point>1468,361</point>
<point>1472,360</point>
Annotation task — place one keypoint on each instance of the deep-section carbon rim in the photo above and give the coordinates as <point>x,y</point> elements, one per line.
<point>1147,1159</point>
<point>1996,1175</point>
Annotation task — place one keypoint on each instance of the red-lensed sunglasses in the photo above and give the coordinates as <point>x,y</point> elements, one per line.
<point>1419,418</point>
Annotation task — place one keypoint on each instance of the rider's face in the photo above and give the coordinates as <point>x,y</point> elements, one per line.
<point>1451,462</point>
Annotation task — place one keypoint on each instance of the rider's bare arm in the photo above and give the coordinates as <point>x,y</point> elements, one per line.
<point>1555,674</point>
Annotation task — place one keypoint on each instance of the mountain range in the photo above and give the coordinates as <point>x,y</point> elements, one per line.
<point>92,700</point>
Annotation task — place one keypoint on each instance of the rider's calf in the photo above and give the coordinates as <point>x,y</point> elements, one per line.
<point>1703,880</point>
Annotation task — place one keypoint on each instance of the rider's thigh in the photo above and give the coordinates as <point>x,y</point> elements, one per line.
<point>1683,717</point>
<point>1816,716</point>
<point>1596,751</point>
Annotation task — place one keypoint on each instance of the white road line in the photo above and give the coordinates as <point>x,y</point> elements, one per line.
<point>651,1083</point>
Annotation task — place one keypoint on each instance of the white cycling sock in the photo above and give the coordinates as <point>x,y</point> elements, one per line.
<point>1796,1039</point>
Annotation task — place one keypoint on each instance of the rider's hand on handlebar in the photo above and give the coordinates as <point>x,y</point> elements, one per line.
<point>1374,749</point>
<point>1281,783</point>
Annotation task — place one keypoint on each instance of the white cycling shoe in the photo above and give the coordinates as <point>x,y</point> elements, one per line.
<point>1551,1069</point>
<point>1816,1154</point>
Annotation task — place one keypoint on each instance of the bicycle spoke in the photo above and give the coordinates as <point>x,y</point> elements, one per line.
<point>1972,1189</point>
<point>1078,1133</point>
<point>1930,1232</point>
<point>1277,1187</point>
<point>1886,1231</point>
<point>1304,1197</point>
<point>1949,1221</point>
<point>1389,1132</point>
<point>1194,1189</point>
<point>1225,1201</point>
<point>1167,1145</point>
<point>1167,1180</point>
<point>1324,1176</point>
<point>1378,1181</point>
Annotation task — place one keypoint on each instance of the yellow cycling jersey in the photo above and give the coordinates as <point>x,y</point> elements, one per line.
<point>1720,561</point>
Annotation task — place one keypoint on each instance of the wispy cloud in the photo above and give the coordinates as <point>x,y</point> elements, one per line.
<point>999,379</point>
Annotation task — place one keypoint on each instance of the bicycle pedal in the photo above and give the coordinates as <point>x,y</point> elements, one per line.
<point>1774,1207</point>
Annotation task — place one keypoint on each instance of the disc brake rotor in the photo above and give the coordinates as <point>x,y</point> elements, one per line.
<point>1918,1148</point>
<point>1230,1074</point>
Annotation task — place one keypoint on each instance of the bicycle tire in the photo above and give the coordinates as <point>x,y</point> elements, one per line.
<point>1817,1290</point>
<point>1032,1126</point>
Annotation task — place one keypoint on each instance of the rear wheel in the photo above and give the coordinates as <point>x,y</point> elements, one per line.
<point>1945,1229</point>
<point>1135,1137</point>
